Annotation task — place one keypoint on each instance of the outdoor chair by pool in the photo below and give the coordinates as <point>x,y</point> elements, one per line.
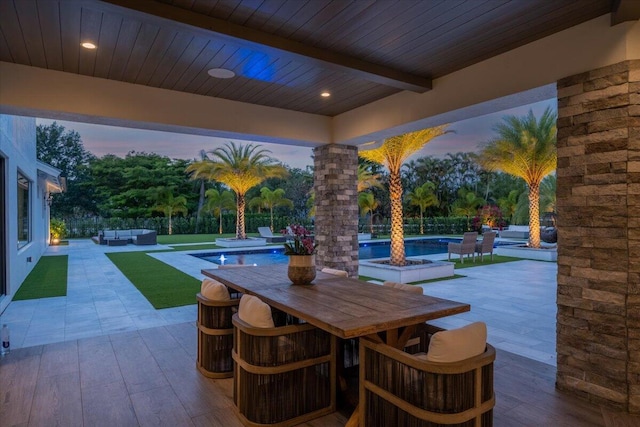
<point>265,233</point>
<point>485,246</point>
<point>283,375</point>
<point>466,247</point>
<point>452,384</point>
<point>215,329</point>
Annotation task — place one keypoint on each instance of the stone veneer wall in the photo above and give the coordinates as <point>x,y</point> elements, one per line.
<point>336,193</point>
<point>598,203</point>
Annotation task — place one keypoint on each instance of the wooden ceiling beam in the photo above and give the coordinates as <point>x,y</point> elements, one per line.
<point>268,42</point>
<point>625,10</point>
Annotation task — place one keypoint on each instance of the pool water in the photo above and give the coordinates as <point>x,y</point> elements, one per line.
<point>367,251</point>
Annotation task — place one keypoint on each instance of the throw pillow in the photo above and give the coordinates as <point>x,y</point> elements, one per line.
<point>214,290</point>
<point>458,344</point>
<point>255,312</point>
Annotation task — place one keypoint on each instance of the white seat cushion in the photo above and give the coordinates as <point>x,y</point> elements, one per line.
<point>458,344</point>
<point>123,234</point>
<point>214,290</point>
<point>402,286</point>
<point>109,234</point>
<point>255,312</point>
<point>335,272</point>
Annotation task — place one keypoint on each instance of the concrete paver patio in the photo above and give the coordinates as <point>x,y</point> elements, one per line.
<point>516,300</point>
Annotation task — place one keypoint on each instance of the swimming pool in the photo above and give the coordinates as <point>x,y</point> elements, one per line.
<point>367,251</point>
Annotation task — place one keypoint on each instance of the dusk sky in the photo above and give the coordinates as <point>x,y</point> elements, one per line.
<point>101,140</point>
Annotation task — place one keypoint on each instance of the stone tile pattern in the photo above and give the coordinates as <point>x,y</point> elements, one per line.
<point>598,203</point>
<point>336,223</point>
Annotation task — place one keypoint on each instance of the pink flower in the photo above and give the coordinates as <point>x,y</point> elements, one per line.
<point>302,241</point>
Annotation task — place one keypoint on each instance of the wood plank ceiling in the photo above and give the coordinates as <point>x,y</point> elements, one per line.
<point>283,52</point>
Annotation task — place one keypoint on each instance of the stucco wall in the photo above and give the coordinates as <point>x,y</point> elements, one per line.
<point>18,148</point>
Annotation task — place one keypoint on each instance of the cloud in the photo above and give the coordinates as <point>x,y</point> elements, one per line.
<point>102,139</point>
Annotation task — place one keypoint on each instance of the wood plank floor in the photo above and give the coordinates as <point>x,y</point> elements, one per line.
<point>148,377</point>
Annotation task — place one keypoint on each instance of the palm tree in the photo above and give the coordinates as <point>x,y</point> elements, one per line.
<point>271,199</point>
<point>203,156</point>
<point>367,204</point>
<point>240,168</point>
<point>508,205</point>
<point>367,179</point>
<point>217,202</point>
<point>467,204</point>
<point>423,197</point>
<point>548,194</point>
<point>525,147</point>
<point>168,204</point>
<point>393,153</point>
<point>311,203</point>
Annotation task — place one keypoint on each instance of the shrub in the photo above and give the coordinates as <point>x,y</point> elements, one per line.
<point>57,228</point>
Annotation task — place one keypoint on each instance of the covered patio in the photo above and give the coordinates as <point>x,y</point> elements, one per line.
<point>148,377</point>
<point>124,363</point>
<point>386,73</point>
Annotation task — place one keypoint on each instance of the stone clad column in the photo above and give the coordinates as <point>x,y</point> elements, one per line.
<point>598,204</point>
<point>336,193</point>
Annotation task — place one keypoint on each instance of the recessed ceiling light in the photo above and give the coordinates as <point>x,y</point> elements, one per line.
<point>88,45</point>
<point>325,94</point>
<point>221,73</point>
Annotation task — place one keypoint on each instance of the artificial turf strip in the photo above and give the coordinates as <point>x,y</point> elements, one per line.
<point>47,279</point>
<point>173,239</point>
<point>441,279</point>
<point>162,285</point>
<point>468,262</point>
<point>196,247</point>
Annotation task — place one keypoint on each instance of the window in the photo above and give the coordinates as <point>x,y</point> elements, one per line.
<point>24,211</point>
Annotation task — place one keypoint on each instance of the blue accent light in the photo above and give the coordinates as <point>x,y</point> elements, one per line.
<point>257,66</point>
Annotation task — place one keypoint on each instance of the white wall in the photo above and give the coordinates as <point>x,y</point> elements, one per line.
<point>18,147</point>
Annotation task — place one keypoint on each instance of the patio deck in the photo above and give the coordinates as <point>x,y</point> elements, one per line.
<point>148,377</point>
<point>118,361</point>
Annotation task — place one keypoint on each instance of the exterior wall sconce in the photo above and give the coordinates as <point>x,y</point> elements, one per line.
<point>48,198</point>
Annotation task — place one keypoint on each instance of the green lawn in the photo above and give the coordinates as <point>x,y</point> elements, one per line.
<point>161,284</point>
<point>455,276</point>
<point>47,279</point>
<point>189,238</point>
<point>177,239</point>
<point>497,259</point>
<point>196,247</point>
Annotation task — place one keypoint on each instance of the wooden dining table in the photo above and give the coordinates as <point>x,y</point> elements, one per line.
<point>343,306</point>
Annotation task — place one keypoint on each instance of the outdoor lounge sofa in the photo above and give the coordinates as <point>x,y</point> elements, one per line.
<point>266,233</point>
<point>135,236</point>
<point>515,232</point>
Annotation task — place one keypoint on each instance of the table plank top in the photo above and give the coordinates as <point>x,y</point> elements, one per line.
<point>345,307</point>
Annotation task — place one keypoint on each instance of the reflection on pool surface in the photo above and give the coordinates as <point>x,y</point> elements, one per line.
<point>367,251</point>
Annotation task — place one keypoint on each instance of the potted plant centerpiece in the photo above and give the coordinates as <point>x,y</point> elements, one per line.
<point>301,252</point>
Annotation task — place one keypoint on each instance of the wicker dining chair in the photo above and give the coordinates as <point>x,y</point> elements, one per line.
<point>283,375</point>
<point>335,272</point>
<point>215,334</point>
<point>398,388</point>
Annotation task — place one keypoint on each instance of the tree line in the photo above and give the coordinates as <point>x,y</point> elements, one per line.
<point>149,185</point>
